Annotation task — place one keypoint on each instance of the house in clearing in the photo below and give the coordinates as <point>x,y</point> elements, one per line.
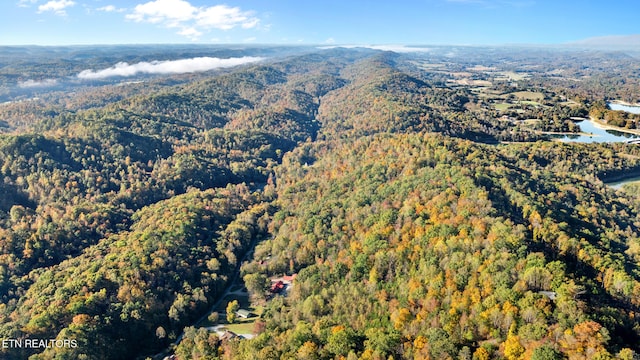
<point>282,283</point>
<point>243,313</point>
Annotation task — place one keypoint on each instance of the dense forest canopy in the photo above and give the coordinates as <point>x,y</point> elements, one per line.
<point>418,198</point>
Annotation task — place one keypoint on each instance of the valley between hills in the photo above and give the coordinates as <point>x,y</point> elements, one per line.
<point>319,203</point>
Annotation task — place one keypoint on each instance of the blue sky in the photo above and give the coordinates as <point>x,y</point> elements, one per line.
<point>415,22</point>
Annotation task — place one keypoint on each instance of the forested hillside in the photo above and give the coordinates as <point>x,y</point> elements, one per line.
<point>419,246</point>
<point>424,217</point>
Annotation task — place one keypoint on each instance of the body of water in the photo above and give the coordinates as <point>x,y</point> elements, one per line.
<point>627,108</point>
<point>618,184</point>
<point>592,134</point>
<point>633,110</point>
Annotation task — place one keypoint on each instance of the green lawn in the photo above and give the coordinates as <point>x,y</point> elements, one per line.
<point>222,310</point>
<point>503,106</point>
<point>529,102</point>
<point>242,327</point>
<point>507,106</point>
<point>570,103</point>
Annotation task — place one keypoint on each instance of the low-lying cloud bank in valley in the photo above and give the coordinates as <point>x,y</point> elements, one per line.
<point>34,83</point>
<point>182,66</point>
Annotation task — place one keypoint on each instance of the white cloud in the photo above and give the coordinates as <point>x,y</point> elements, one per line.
<point>110,8</point>
<point>191,33</point>
<point>250,39</point>
<point>34,83</point>
<point>394,48</point>
<point>26,3</point>
<point>56,6</point>
<point>224,17</point>
<point>330,41</point>
<point>163,10</point>
<point>190,19</point>
<point>167,67</point>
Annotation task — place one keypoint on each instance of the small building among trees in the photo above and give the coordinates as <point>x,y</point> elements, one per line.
<point>277,287</point>
<point>243,313</point>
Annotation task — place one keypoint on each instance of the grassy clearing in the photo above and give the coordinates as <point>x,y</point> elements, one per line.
<point>507,106</point>
<point>570,103</point>
<point>428,66</point>
<point>511,75</point>
<point>245,327</point>
<point>257,311</point>
<point>481,68</point>
<point>529,102</point>
<point>528,95</point>
<point>503,106</point>
<point>469,82</point>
